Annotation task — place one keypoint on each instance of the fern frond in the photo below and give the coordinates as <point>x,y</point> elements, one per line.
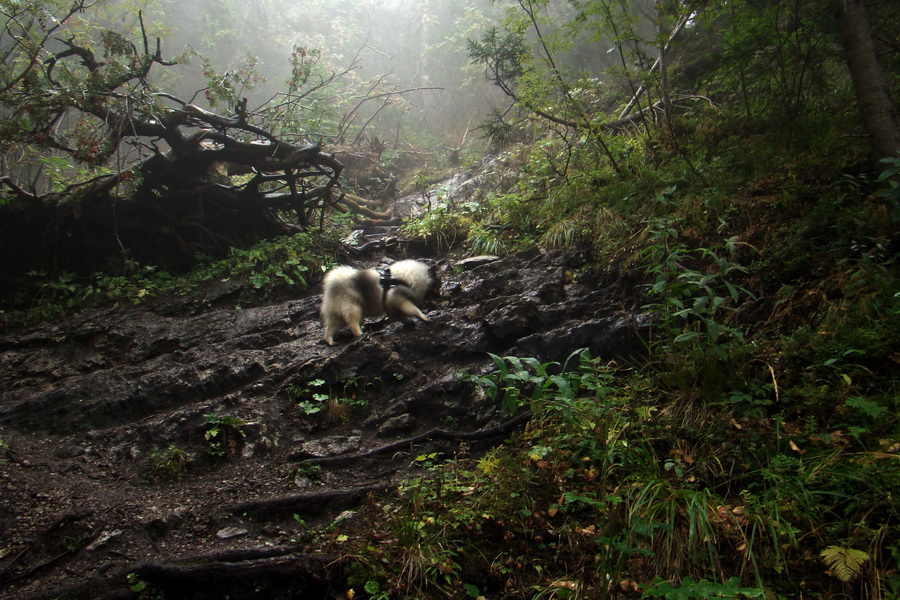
<point>845,563</point>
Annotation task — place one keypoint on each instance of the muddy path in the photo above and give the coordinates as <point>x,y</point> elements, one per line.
<point>303,433</point>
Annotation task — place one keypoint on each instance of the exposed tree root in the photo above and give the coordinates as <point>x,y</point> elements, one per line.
<point>361,206</point>
<point>311,502</point>
<point>213,575</point>
<point>314,502</point>
<point>373,223</point>
<point>434,434</point>
<point>59,522</point>
<point>301,566</point>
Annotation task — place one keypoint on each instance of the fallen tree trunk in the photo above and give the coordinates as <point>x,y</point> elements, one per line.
<point>163,203</point>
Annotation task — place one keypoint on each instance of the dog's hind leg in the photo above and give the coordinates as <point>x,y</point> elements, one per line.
<point>407,310</point>
<point>353,315</point>
<point>332,326</point>
<point>349,316</point>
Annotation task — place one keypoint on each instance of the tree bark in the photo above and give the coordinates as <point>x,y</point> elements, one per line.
<point>870,83</point>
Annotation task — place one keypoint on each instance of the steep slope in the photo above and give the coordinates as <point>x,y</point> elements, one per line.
<point>99,411</point>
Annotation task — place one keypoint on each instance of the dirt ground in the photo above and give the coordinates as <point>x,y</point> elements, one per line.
<point>181,447</point>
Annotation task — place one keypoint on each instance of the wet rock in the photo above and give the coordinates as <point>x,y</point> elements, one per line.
<point>608,338</point>
<point>347,514</point>
<point>397,426</point>
<point>356,237</point>
<point>117,384</point>
<point>512,321</point>
<point>332,446</point>
<point>228,533</point>
<point>475,261</point>
<point>103,539</point>
<point>302,481</point>
<point>176,518</point>
<point>128,366</point>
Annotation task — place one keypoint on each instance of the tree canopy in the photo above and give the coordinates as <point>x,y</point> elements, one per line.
<point>112,153</point>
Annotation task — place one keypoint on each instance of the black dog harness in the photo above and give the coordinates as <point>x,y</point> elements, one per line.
<point>387,282</point>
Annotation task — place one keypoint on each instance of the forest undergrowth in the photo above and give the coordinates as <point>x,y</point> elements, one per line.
<point>754,451</point>
<point>751,451</point>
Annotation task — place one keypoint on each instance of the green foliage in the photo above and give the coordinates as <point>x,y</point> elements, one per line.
<point>689,589</point>
<point>769,64</point>
<point>317,395</point>
<point>223,434</point>
<point>226,90</point>
<point>309,102</point>
<point>693,302</point>
<point>442,226</point>
<point>758,445</point>
<point>286,261</point>
<point>308,472</point>
<point>308,399</point>
<point>374,590</point>
<point>616,471</point>
<point>581,470</point>
<point>165,464</point>
<point>266,269</point>
<point>68,294</point>
<point>502,53</point>
<point>136,584</point>
<point>525,382</point>
<point>844,563</point>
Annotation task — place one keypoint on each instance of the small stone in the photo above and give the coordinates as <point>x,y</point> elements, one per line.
<point>103,539</point>
<point>344,516</point>
<point>358,236</point>
<point>332,446</point>
<point>228,533</point>
<point>301,481</point>
<point>176,518</point>
<point>475,261</point>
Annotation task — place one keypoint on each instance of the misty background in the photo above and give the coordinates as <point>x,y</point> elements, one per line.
<point>401,68</point>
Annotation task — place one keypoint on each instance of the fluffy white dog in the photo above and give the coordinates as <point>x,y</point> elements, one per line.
<point>353,294</point>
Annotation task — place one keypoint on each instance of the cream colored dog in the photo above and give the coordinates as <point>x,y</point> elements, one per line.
<point>353,294</point>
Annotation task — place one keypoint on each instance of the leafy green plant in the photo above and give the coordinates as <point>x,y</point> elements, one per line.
<point>428,460</point>
<point>844,563</point>
<point>265,268</point>
<point>309,472</point>
<point>442,226</point>
<point>310,398</point>
<point>223,434</point>
<point>584,465</point>
<point>136,584</point>
<point>691,589</point>
<point>165,464</point>
<point>694,302</point>
<point>143,589</point>
<point>317,395</point>
<point>549,387</point>
<point>374,590</point>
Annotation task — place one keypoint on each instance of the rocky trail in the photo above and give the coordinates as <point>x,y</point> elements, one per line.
<point>91,404</point>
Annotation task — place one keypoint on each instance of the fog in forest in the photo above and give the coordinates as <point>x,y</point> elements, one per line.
<point>407,54</point>
<point>402,66</point>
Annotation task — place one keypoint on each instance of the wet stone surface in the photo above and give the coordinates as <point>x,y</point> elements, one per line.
<point>91,403</point>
